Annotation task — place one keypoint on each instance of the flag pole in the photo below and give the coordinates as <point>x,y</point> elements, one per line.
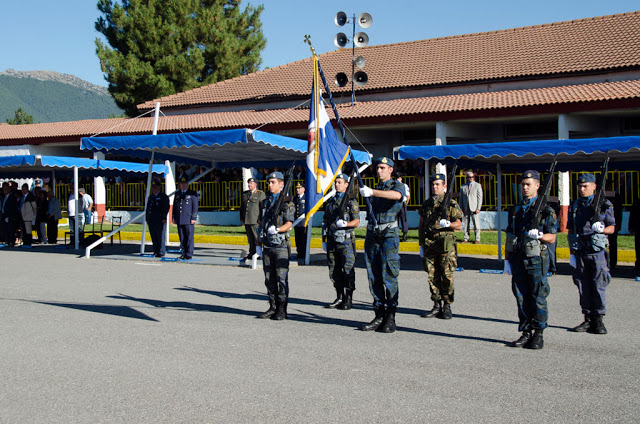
<point>370,215</point>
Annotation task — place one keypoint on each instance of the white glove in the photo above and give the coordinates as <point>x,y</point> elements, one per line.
<point>341,223</point>
<point>6,220</point>
<point>421,251</point>
<point>572,261</point>
<point>444,223</point>
<point>259,250</point>
<point>598,227</point>
<point>272,230</point>
<point>324,246</point>
<point>507,268</point>
<point>366,191</point>
<point>535,234</point>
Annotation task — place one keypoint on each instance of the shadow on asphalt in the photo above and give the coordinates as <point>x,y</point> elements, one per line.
<point>122,311</point>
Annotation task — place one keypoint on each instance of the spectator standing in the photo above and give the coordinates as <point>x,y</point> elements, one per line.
<point>87,206</point>
<point>9,214</point>
<point>42,204</point>
<point>471,203</point>
<point>28,212</point>
<point>54,214</point>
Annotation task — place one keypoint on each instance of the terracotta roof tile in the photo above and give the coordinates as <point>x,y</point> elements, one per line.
<point>423,106</point>
<point>593,44</point>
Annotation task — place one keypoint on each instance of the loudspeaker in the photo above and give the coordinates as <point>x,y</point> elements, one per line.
<point>360,78</point>
<point>341,79</point>
<point>365,20</point>
<point>362,39</point>
<point>340,39</point>
<point>341,19</point>
<point>359,62</point>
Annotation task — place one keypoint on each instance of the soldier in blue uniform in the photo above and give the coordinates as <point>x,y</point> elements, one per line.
<point>157,211</point>
<point>526,258</point>
<point>587,244</point>
<point>185,214</point>
<point>381,247</point>
<point>275,226</point>
<point>300,230</point>
<point>338,225</point>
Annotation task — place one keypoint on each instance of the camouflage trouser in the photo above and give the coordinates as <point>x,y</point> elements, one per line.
<point>440,268</point>
<point>530,286</point>
<point>592,278</point>
<point>341,258</point>
<point>383,267</point>
<point>275,262</point>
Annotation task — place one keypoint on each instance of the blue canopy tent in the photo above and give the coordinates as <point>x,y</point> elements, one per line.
<point>221,149</point>
<point>225,149</point>
<point>41,166</point>
<point>585,154</point>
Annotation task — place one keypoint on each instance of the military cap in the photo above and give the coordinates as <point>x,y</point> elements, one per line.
<point>384,161</point>
<point>156,182</point>
<point>183,180</point>
<point>530,174</point>
<point>277,175</point>
<point>586,178</point>
<point>343,176</point>
<point>251,180</point>
<point>299,185</point>
<point>439,177</point>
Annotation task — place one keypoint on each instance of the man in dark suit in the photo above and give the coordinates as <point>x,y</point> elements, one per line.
<point>28,211</point>
<point>157,211</point>
<point>185,213</point>
<point>300,230</point>
<point>249,211</point>
<point>8,214</point>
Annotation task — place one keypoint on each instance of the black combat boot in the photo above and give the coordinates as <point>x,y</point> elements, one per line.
<point>377,321</point>
<point>536,341</point>
<point>347,300</point>
<point>524,339</point>
<point>437,308</point>
<point>389,324</point>
<point>272,309</point>
<point>597,326</point>
<point>446,311</point>
<point>338,301</point>
<point>281,311</point>
<point>584,326</point>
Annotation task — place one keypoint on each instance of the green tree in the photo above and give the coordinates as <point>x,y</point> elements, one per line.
<point>162,47</point>
<point>20,118</point>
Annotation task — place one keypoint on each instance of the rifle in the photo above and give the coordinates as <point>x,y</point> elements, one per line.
<point>446,201</point>
<point>541,203</point>
<point>342,207</point>
<point>599,197</point>
<point>277,208</point>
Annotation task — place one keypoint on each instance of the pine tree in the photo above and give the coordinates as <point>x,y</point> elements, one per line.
<point>162,47</point>
<point>20,118</point>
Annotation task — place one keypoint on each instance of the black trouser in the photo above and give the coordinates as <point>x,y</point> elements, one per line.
<point>27,227</point>
<point>301,241</point>
<point>613,249</point>
<point>52,230</point>
<point>252,237</point>
<point>637,240</point>
<point>9,232</point>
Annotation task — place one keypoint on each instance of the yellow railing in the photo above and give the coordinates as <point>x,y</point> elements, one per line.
<point>226,195</point>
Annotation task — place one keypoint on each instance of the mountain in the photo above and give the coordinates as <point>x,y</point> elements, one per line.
<point>53,97</point>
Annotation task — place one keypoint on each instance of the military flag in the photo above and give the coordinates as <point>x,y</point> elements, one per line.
<point>326,154</point>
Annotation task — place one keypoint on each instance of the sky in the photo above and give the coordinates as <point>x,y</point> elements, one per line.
<point>60,36</point>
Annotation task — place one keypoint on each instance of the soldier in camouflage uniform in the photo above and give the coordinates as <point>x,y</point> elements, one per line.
<point>527,259</point>
<point>437,247</point>
<point>587,243</point>
<point>276,247</point>
<point>381,247</point>
<point>338,224</point>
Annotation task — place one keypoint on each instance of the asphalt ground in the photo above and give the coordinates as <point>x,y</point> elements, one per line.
<point>109,341</point>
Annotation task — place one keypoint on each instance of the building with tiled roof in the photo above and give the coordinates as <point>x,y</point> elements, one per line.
<point>566,79</point>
